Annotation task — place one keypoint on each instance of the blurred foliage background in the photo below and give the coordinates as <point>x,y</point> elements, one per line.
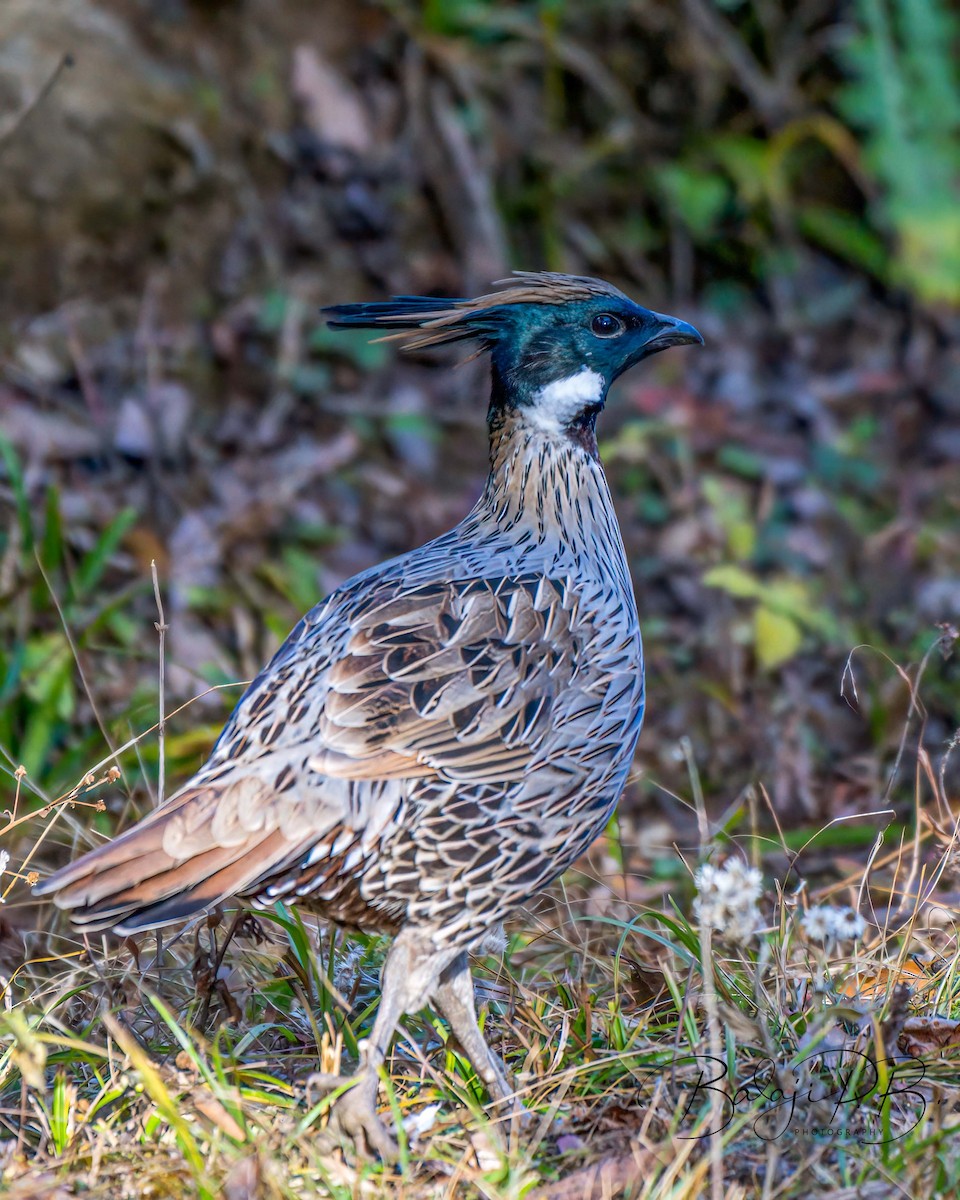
<point>178,200</point>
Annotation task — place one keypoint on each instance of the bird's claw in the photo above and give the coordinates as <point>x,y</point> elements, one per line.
<point>354,1118</point>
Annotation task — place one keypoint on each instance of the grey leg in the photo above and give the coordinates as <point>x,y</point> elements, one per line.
<point>354,1114</point>
<point>407,983</point>
<point>455,1002</point>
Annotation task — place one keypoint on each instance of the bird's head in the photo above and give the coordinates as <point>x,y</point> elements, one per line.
<point>556,342</point>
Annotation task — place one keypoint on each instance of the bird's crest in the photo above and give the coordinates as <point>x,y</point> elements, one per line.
<point>432,320</point>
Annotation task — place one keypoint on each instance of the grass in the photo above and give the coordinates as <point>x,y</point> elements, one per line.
<point>655,1057</point>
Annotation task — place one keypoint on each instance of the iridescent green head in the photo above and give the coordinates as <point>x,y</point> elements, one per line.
<point>556,342</point>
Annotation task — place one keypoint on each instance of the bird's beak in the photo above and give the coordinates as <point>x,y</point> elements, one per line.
<point>672,332</point>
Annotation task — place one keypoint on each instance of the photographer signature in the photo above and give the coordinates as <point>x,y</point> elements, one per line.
<point>830,1092</point>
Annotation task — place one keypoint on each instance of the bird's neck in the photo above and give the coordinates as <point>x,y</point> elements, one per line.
<point>547,486</point>
<point>562,406</point>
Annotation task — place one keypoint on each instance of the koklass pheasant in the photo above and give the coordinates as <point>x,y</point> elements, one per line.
<point>443,735</point>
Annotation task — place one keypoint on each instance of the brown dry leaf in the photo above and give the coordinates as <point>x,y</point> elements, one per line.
<point>245,1181</point>
<point>609,1177</point>
<point>210,1107</point>
<point>644,981</point>
<point>926,1036</point>
<point>184,1062</point>
<point>876,984</point>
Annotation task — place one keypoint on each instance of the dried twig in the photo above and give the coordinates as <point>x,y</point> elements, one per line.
<point>774,99</point>
<point>161,627</point>
<point>14,123</point>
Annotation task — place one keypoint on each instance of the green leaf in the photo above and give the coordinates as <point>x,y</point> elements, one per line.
<point>699,197</point>
<point>95,563</point>
<point>735,581</point>
<point>60,1113</point>
<point>747,160</point>
<point>51,549</point>
<point>15,474</point>
<point>846,235</point>
<point>742,538</point>
<point>273,311</point>
<point>777,637</point>
<point>358,346</point>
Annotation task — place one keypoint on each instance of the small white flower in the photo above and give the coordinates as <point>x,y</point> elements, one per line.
<point>816,924</point>
<point>727,899</point>
<point>848,925</point>
<point>826,923</point>
<point>4,859</point>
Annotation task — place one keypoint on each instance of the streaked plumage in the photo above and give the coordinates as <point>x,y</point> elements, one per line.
<point>443,735</point>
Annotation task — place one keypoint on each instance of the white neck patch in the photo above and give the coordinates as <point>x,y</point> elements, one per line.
<point>562,401</point>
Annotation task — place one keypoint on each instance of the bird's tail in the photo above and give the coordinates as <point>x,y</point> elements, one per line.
<point>178,861</point>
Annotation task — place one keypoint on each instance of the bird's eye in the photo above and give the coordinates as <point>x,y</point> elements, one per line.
<point>605,325</point>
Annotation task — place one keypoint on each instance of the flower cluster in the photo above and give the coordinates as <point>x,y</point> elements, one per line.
<point>828,924</point>
<point>727,899</point>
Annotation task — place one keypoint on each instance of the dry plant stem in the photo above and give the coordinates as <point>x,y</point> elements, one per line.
<point>773,98</point>
<point>131,742</point>
<point>703,825</point>
<point>19,774</point>
<point>15,876</point>
<point>161,627</point>
<point>85,374</point>
<point>715,1041</point>
<point>9,129</point>
<point>71,642</point>
<point>714,1033</point>
<point>218,963</point>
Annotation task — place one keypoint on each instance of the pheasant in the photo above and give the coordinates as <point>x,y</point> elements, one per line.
<point>444,734</point>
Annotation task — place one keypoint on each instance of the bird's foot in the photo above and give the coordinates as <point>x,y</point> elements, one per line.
<point>354,1118</point>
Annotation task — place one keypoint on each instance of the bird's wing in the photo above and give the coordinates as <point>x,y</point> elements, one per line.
<point>456,678</point>
<point>461,679</point>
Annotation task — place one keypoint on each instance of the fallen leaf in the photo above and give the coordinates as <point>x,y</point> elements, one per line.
<point>928,1035</point>
<point>609,1177</point>
<point>421,1122</point>
<point>245,1181</point>
<point>876,984</point>
<point>777,637</point>
<point>210,1107</point>
<point>47,436</point>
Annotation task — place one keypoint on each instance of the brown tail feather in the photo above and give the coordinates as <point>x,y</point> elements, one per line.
<point>144,838</point>
<point>206,892</point>
<point>133,883</point>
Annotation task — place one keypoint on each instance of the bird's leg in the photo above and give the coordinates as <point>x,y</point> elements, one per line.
<point>455,1002</point>
<point>354,1114</point>
<point>408,982</point>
